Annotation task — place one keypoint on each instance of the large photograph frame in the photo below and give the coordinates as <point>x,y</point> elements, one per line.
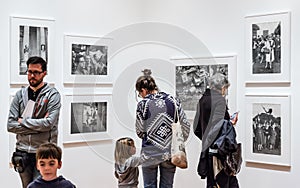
<point>30,37</point>
<point>87,118</point>
<point>191,79</point>
<point>267,54</point>
<point>268,129</point>
<point>86,60</point>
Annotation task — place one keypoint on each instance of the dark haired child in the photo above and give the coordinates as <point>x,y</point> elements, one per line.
<point>48,157</point>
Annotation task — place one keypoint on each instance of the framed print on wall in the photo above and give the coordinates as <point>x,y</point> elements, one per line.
<point>30,37</point>
<point>192,75</point>
<point>87,118</point>
<point>86,60</point>
<point>268,129</point>
<point>267,48</point>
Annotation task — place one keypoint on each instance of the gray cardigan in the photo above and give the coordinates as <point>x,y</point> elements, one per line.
<point>128,173</point>
<point>42,126</point>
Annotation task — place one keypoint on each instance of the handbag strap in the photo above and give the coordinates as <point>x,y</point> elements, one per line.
<point>175,110</point>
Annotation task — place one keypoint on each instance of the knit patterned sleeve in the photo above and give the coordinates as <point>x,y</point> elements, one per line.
<point>140,123</point>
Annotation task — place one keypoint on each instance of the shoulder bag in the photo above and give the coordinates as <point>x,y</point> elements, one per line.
<point>233,162</point>
<point>178,154</point>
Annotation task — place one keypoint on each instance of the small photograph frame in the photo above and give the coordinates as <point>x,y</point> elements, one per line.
<point>267,54</point>
<point>30,37</point>
<point>86,60</point>
<point>191,79</point>
<point>268,129</point>
<point>88,118</point>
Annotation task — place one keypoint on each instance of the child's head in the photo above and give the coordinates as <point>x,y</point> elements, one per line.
<point>124,149</point>
<point>49,150</point>
<point>48,157</point>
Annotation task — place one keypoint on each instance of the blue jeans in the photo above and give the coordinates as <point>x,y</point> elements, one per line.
<point>30,172</point>
<point>167,172</point>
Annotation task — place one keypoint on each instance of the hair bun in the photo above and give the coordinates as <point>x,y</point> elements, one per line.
<point>147,72</point>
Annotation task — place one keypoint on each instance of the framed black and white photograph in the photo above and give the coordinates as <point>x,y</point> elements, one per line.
<point>30,37</point>
<point>87,118</point>
<point>192,75</point>
<point>268,129</point>
<point>268,48</point>
<point>87,60</point>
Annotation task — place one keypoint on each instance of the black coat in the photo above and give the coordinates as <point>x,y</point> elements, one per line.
<point>211,125</point>
<point>211,109</point>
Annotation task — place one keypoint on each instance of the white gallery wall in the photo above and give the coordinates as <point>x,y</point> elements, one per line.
<point>147,34</point>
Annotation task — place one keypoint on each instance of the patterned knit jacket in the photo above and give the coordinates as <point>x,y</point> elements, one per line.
<point>154,116</point>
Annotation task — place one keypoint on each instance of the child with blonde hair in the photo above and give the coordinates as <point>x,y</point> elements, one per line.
<point>126,164</point>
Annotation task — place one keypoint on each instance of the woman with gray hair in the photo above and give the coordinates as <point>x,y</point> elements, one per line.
<point>219,82</point>
<point>211,116</point>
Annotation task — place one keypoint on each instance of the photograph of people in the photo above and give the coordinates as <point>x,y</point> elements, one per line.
<point>266,48</point>
<point>89,59</point>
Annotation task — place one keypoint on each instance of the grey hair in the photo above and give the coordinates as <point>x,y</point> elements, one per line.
<point>217,81</point>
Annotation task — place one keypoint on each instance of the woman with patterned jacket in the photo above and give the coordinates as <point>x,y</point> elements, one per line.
<point>154,116</point>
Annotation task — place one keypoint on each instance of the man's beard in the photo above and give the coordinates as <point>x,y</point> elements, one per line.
<point>35,83</point>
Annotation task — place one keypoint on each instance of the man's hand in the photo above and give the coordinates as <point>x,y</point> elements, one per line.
<point>20,120</point>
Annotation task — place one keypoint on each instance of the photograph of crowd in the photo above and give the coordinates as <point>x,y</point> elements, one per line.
<point>266,126</point>
<point>89,60</point>
<point>192,81</point>
<point>266,48</point>
<point>88,117</point>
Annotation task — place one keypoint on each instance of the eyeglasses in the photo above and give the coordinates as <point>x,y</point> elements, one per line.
<point>138,96</point>
<point>34,73</point>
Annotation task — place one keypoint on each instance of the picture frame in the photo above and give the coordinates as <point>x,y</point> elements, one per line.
<point>191,79</point>
<point>268,129</point>
<point>30,37</point>
<point>86,60</point>
<point>87,118</point>
<point>267,48</point>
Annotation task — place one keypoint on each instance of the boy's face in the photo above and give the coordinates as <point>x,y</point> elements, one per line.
<point>48,168</point>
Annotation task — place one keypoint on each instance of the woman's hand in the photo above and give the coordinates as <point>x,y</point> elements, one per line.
<point>234,118</point>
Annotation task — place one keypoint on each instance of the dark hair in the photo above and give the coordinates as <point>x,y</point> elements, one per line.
<point>37,60</point>
<point>49,150</point>
<point>146,81</point>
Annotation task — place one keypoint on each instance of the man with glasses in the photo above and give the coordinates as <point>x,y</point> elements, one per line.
<point>38,125</point>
